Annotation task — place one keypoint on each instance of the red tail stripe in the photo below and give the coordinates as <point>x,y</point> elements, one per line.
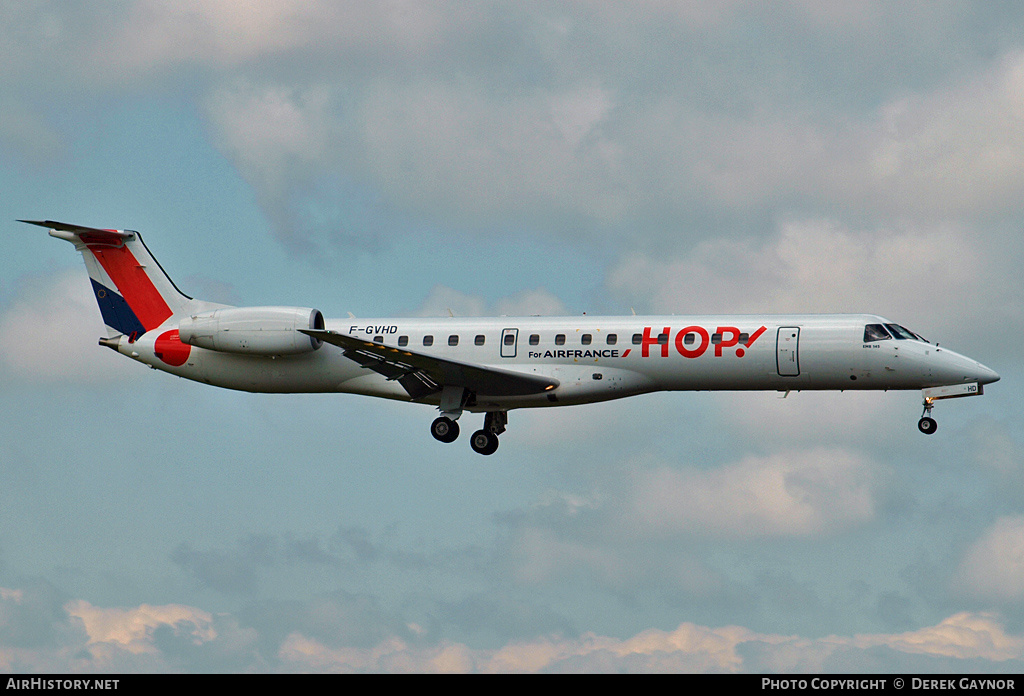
<point>134,285</point>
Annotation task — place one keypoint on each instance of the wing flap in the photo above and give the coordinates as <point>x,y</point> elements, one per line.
<point>422,375</point>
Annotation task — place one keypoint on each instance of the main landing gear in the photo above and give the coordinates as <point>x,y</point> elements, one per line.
<point>927,424</point>
<point>484,441</point>
<point>444,429</point>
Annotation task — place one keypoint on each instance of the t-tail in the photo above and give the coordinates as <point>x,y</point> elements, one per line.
<point>134,293</point>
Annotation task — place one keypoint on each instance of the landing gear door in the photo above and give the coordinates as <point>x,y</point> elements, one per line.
<point>509,338</point>
<point>787,351</point>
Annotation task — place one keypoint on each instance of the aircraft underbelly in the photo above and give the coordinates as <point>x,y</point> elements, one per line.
<point>313,372</point>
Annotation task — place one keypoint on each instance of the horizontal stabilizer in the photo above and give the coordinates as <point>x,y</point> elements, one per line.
<point>88,235</point>
<point>424,374</point>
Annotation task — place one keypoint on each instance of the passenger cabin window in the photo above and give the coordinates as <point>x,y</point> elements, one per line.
<point>875,332</point>
<point>689,338</point>
<point>534,339</point>
<point>378,339</point>
<point>585,339</point>
<point>716,338</point>
<point>479,340</point>
<point>453,340</point>
<point>612,339</point>
<point>403,341</point>
<point>560,340</point>
<point>428,340</point>
<point>510,339</point>
<point>662,339</point>
<point>744,338</point>
<point>638,339</point>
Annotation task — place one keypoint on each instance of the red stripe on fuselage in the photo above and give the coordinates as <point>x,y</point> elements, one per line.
<point>131,281</point>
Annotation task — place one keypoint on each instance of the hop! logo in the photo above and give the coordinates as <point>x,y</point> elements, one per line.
<point>694,341</point>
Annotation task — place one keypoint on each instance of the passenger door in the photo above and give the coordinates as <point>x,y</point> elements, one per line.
<point>787,351</point>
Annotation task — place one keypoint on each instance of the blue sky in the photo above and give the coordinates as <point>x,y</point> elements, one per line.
<point>400,158</point>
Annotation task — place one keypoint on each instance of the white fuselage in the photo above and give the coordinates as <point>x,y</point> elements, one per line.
<point>600,358</point>
<point>493,365</point>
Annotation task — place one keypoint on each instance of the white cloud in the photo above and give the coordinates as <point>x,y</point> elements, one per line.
<point>978,637</point>
<point>82,637</point>
<point>957,149</point>
<point>903,273</point>
<point>300,653</point>
<point>225,34</point>
<point>614,530</point>
<point>600,424</point>
<point>993,567</point>
<point>164,638</point>
<point>275,133</point>
<point>538,301</point>
<point>794,493</point>
<point>50,333</point>
<point>945,153</point>
<point>804,417</point>
<point>688,648</point>
<point>401,99</point>
<point>440,147</point>
<point>967,635</point>
<point>443,299</point>
<point>132,629</point>
<point>570,144</point>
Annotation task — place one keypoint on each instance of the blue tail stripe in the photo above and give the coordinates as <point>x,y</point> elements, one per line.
<point>116,312</point>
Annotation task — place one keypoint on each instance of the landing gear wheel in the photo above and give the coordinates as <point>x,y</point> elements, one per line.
<point>484,442</point>
<point>927,425</point>
<point>444,429</point>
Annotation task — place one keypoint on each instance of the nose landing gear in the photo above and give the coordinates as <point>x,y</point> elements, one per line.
<point>927,424</point>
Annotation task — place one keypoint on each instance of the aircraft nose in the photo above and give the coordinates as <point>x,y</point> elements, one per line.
<point>960,369</point>
<point>986,376</point>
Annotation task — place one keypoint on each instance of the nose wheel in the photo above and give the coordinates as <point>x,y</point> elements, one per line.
<point>927,424</point>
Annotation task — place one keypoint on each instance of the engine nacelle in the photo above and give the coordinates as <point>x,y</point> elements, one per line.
<point>253,330</point>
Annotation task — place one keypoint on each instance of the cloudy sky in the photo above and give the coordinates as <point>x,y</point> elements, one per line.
<point>411,158</point>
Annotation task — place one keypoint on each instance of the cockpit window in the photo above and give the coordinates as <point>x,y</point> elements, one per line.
<point>875,332</point>
<point>900,333</point>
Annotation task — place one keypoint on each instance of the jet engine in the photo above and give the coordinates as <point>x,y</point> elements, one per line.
<point>253,330</point>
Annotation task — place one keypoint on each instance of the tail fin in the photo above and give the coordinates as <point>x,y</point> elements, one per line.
<point>134,293</point>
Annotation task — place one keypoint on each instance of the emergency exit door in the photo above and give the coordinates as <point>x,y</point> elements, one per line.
<point>509,338</point>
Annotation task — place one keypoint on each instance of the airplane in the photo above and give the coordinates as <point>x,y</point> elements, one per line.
<point>495,365</point>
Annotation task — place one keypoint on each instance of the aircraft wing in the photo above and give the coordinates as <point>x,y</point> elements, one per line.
<point>422,375</point>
